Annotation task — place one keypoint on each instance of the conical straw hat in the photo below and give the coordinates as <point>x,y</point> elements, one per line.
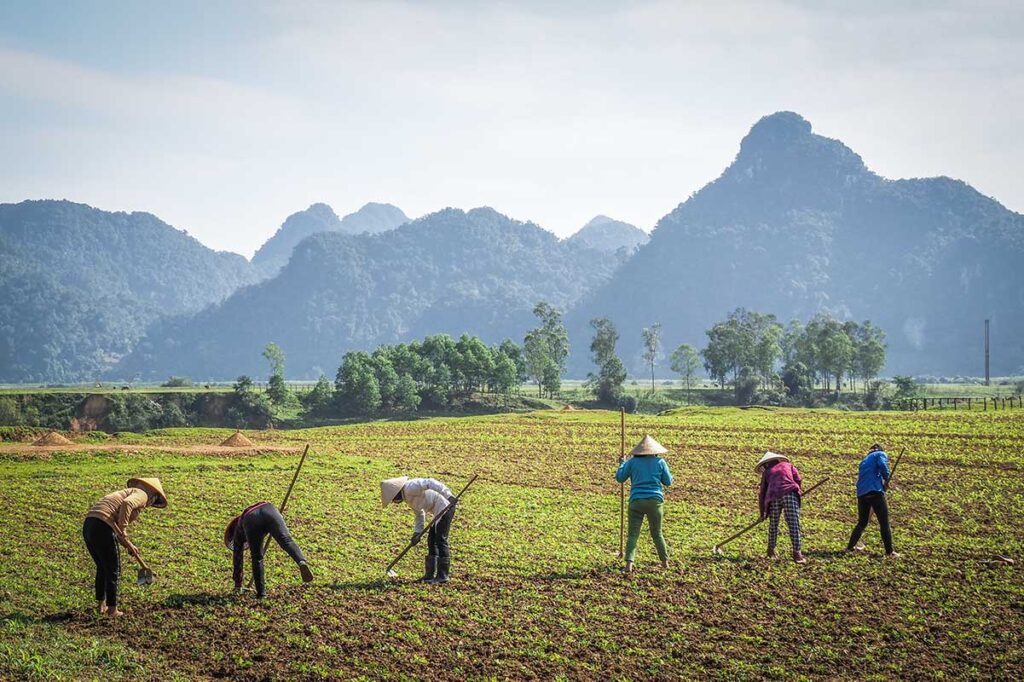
<point>151,485</point>
<point>390,488</point>
<point>648,446</point>
<point>768,457</point>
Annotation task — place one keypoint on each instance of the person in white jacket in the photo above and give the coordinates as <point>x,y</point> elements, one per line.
<point>425,496</point>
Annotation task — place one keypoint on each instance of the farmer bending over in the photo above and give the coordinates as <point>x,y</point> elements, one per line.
<point>872,482</point>
<point>426,495</point>
<point>646,473</point>
<point>106,525</point>
<point>249,529</point>
<point>780,495</point>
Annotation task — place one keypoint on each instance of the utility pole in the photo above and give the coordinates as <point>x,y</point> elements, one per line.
<point>987,378</point>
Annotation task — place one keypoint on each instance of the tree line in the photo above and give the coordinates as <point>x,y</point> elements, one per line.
<point>750,350</point>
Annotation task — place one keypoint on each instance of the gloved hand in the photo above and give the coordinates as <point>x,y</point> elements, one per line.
<point>416,538</point>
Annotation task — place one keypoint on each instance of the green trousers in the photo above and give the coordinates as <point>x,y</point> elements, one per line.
<point>652,509</point>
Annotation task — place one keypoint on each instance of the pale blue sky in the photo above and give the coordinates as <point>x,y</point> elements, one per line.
<point>223,120</point>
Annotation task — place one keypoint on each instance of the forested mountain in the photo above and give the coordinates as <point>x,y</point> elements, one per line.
<point>371,218</point>
<point>451,271</point>
<point>607,234</point>
<point>79,285</point>
<point>798,224</point>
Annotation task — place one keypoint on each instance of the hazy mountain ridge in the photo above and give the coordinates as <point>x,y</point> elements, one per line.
<point>451,271</point>
<point>797,224</point>
<point>371,218</point>
<point>78,285</point>
<point>607,234</point>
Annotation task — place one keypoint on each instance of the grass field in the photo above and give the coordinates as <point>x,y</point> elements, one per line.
<point>537,591</point>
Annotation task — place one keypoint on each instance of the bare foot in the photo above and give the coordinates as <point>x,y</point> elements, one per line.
<point>101,607</point>
<point>799,558</point>
<point>892,555</point>
<point>114,613</point>
<point>629,567</point>
<point>664,564</point>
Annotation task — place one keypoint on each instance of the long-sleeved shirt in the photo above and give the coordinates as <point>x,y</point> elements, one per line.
<point>425,495</point>
<point>874,472</point>
<point>119,509</point>
<point>646,475</point>
<point>777,480</point>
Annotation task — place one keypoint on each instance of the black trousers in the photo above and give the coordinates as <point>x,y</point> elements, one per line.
<point>437,537</point>
<point>259,523</point>
<point>865,505</point>
<point>103,548</point>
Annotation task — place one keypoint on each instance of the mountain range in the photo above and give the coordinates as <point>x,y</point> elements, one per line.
<point>798,224</point>
<point>449,271</point>
<point>371,218</point>
<point>795,225</point>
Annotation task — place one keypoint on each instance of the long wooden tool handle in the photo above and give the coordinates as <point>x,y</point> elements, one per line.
<point>429,525</point>
<point>284,503</point>
<point>893,471</point>
<point>738,533</point>
<point>622,486</point>
<point>760,520</point>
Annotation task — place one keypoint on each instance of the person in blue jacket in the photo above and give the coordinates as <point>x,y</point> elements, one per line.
<point>646,473</point>
<point>872,482</point>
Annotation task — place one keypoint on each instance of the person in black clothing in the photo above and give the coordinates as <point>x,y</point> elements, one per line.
<point>249,529</point>
<point>872,484</point>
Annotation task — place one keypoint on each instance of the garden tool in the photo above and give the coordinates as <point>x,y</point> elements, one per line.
<point>145,575</point>
<point>622,486</point>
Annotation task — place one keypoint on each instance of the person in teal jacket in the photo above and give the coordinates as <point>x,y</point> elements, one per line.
<point>647,473</point>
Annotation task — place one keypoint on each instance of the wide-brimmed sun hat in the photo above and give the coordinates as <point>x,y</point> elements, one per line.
<point>152,486</point>
<point>767,458</point>
<point>648,446</point>
<point>390,488</point>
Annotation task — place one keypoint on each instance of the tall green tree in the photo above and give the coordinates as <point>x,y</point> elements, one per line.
<point>869,351</point>
<point>685,361</point>
<point>356,388</point>
<point>611,373</point>
<point>513,351</point>
<point>652,344</point>
<point>276,387</point>
<point>546,349</point>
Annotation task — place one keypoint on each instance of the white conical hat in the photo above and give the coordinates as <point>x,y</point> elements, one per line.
<point>648,446</point>
<point>390,488</point>
<point>768,457</point>
<point>150,485</point>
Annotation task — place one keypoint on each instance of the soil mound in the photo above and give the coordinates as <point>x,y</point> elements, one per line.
<point>52,438</point>
<point>237,440</point>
